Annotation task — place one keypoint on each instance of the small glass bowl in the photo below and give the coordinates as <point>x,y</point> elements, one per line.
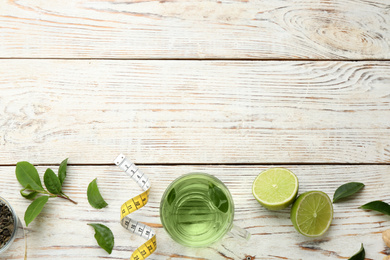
<point>16,225</point>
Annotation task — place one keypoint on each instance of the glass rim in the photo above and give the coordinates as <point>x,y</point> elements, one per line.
<point>197,173</point>
<point>16,224</point>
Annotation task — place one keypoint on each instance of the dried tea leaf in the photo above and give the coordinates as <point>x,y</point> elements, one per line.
<point>103,236</point>
<point>6,224</point>
<point>347,190</point>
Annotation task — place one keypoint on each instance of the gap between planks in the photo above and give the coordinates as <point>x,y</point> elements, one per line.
<point>212,164</point>
<point>192,59</point>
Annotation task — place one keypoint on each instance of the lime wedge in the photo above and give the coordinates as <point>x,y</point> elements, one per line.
<point>312,213</point>
<point>275,188</point>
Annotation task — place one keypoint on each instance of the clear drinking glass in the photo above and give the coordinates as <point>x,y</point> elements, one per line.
<point>197,210</point>
<point>16,225</point>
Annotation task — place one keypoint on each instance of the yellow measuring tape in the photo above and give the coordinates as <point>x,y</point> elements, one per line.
<point>134,204</point>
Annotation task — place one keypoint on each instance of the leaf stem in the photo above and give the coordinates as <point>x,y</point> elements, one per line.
<point>43,192</point>
<point>66,197</point>
<point>62,195</point>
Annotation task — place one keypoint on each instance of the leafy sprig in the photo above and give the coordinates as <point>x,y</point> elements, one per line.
<point>28,177</point>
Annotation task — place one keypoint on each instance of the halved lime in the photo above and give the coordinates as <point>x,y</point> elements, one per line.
<point>312,213</point>
<point>275,188</point>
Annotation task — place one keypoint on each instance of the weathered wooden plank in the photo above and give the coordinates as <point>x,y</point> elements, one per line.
<point>61,231</point>
<point>230,29</point>
<point>194,112</point>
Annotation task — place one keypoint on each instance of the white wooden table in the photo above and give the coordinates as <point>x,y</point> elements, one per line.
<point>228,87</point>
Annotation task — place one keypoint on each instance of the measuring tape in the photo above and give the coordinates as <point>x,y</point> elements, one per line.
<point>134,204</point>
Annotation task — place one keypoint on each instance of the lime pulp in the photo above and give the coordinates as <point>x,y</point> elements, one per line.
<point>312,213</point>
<point>275,188</point>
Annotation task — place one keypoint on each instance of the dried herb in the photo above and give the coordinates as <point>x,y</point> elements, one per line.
<point>6,224</point>
<point>347,190</point>
<point>95,199</point>
<point>28,177</point>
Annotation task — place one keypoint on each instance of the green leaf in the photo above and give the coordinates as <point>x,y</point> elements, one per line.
<point>95,199</point>
<point>377,205</point>
<point>62,170</point>
<point>31,195</point>
<point>171,196</point>
<point>347,190</point>
<point>27,174</point>
<point>34,209</point>
<point>52,182</point>
<point>218,197</point>
<point>360,255</point>
<point>103,236</point>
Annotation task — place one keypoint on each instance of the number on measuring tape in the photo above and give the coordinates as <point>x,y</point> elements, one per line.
<point>134,204</point>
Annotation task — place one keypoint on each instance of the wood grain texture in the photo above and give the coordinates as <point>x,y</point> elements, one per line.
<point>194,112</point>
<point>61,231</point>
<point>200,29</point>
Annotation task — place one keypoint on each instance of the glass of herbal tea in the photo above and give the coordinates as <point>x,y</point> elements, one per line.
<point>197,210</point>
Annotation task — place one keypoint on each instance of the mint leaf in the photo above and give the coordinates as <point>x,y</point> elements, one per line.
<point>27,174</point>
<point>377,205</point>
<point>103,236</point>
<point>62,170</point>
<point>34,209</point>
<point>347,190</point>
<point>95,199</point>
<point>52,182</point>
<point>360,255</point>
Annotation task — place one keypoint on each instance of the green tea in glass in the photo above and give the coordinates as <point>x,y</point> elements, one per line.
<point>197,210</point>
